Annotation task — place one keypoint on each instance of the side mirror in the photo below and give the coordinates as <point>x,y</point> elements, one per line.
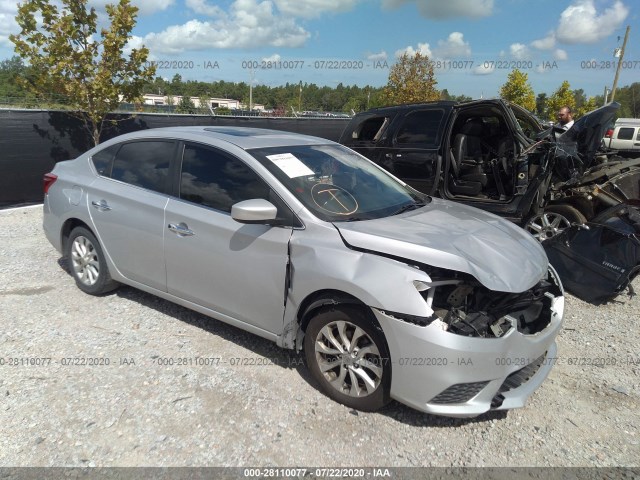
<point>255,210</point>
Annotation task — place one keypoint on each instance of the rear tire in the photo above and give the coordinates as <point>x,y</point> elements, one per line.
<point>87,263</point>
<point>348,356</point>
<point>553,220</point>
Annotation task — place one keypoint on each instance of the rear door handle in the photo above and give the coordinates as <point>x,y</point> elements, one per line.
<point>102,205</point>
<point>181,230</point>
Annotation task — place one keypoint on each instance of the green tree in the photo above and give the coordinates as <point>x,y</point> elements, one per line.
<point>562,97</point>
<point>68,57</point>
<point>518,90</point>
<point>585,107</point>
<point>185,105</point>
<point>541,104</point>
<point>411,80</point>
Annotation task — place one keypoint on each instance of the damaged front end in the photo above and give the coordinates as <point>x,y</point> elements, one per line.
<point>465,307</point>
<point>485,349</point>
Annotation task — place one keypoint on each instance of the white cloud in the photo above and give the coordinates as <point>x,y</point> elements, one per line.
<point>377,56</point>
<point>423,48</point>
<point>546,43</point>
<point>273,58</point>
<point>204,8</point>
<point>440,9</point>
<point>581,22</point>
<point>145,7</point>
<point>484,69</point>
<point>8,25</point>
<point>519,51</point>
<point>314,8</point>
<point>454,46</point>
<point>542,69</point>
<point>560,54</point>
<point>247,24</point>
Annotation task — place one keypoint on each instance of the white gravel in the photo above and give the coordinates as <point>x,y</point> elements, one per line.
<point>256,405</point>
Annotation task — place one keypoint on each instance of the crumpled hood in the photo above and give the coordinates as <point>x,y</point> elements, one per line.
<point>444,234</point>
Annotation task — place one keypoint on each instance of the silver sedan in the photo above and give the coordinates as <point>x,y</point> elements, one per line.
<point>390,293</point>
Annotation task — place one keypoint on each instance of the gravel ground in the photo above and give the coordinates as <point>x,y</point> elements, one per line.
<point>265,410</point>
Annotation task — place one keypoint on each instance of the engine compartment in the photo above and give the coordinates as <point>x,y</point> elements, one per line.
<point>468,308</point>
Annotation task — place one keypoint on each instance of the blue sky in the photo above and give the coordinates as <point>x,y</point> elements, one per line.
<point>476,43</point>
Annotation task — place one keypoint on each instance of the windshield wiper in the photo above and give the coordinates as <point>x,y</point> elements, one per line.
<point>409,206</point>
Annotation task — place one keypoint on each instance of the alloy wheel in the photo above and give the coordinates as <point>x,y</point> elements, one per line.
<point>348,358</point>
<point>84,260</point>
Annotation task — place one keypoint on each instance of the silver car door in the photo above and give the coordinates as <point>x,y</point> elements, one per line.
<point>128,214</point>
<point>232,268</point>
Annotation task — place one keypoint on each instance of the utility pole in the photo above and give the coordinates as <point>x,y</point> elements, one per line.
<point>300,98</point>
<point>251,90</point>
<point>615,80</point>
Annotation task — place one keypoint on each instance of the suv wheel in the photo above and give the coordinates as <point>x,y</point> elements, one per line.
<point>348,356</point>
<point>553,220</point>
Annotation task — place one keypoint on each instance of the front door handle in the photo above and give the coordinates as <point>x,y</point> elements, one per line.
<point>181,230</point>
<point>102,205</point>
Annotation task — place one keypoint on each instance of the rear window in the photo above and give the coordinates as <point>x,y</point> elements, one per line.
<point>144,164</point>
<point>626,133</point>
<point>370,130</point>
<point>103,159</point>
<point>420,127</point>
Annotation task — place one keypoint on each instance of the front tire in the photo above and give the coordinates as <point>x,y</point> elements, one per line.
<point>348,356</point>
<point>87,263</point>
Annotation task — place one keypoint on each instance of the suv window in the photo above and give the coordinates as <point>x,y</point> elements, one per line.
<point>102,160</point>
<point>626,133</point>
<point>144,164</point>
<point>420,127</point>
<point>370,130</point>
<point>217,180</point>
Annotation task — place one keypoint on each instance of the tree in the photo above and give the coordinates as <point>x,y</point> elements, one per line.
<point>541,104</point>
<point>562,97</point>
<point>68,58</point>
<point>586,107</point>
<point>411,80</point>
<point>185,105</point>
<point>518,90</point>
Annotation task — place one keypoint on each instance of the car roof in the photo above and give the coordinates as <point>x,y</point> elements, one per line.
<point>628,122</point>
<point>243,137</point>
<point>447,104</point>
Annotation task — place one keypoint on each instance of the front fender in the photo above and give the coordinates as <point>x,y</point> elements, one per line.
<point>378,282</point>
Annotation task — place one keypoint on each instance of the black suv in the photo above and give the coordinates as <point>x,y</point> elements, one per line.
<point>496,156</point>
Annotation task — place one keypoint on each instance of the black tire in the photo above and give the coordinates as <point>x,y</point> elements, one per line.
<point>87,264</point>
<point>352,366</point>
<point>553,220</point>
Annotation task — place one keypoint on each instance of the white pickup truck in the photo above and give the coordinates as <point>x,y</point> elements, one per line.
<point>624,136</point>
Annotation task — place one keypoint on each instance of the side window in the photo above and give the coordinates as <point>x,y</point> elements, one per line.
<point>626,134</point>
<point>638,136</point>
<point>103,159</point>
<point>217,180</point>
<point>420,127</point>
<point>370,130</point>
<point>144,164</point>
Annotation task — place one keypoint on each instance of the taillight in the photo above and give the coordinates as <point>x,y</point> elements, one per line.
<point>609,133</point>
<point>49,179</point>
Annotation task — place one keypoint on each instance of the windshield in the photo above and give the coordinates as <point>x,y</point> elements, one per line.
<point>336,184</point>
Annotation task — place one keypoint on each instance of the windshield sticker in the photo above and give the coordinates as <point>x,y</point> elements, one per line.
<point>290,165</point>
